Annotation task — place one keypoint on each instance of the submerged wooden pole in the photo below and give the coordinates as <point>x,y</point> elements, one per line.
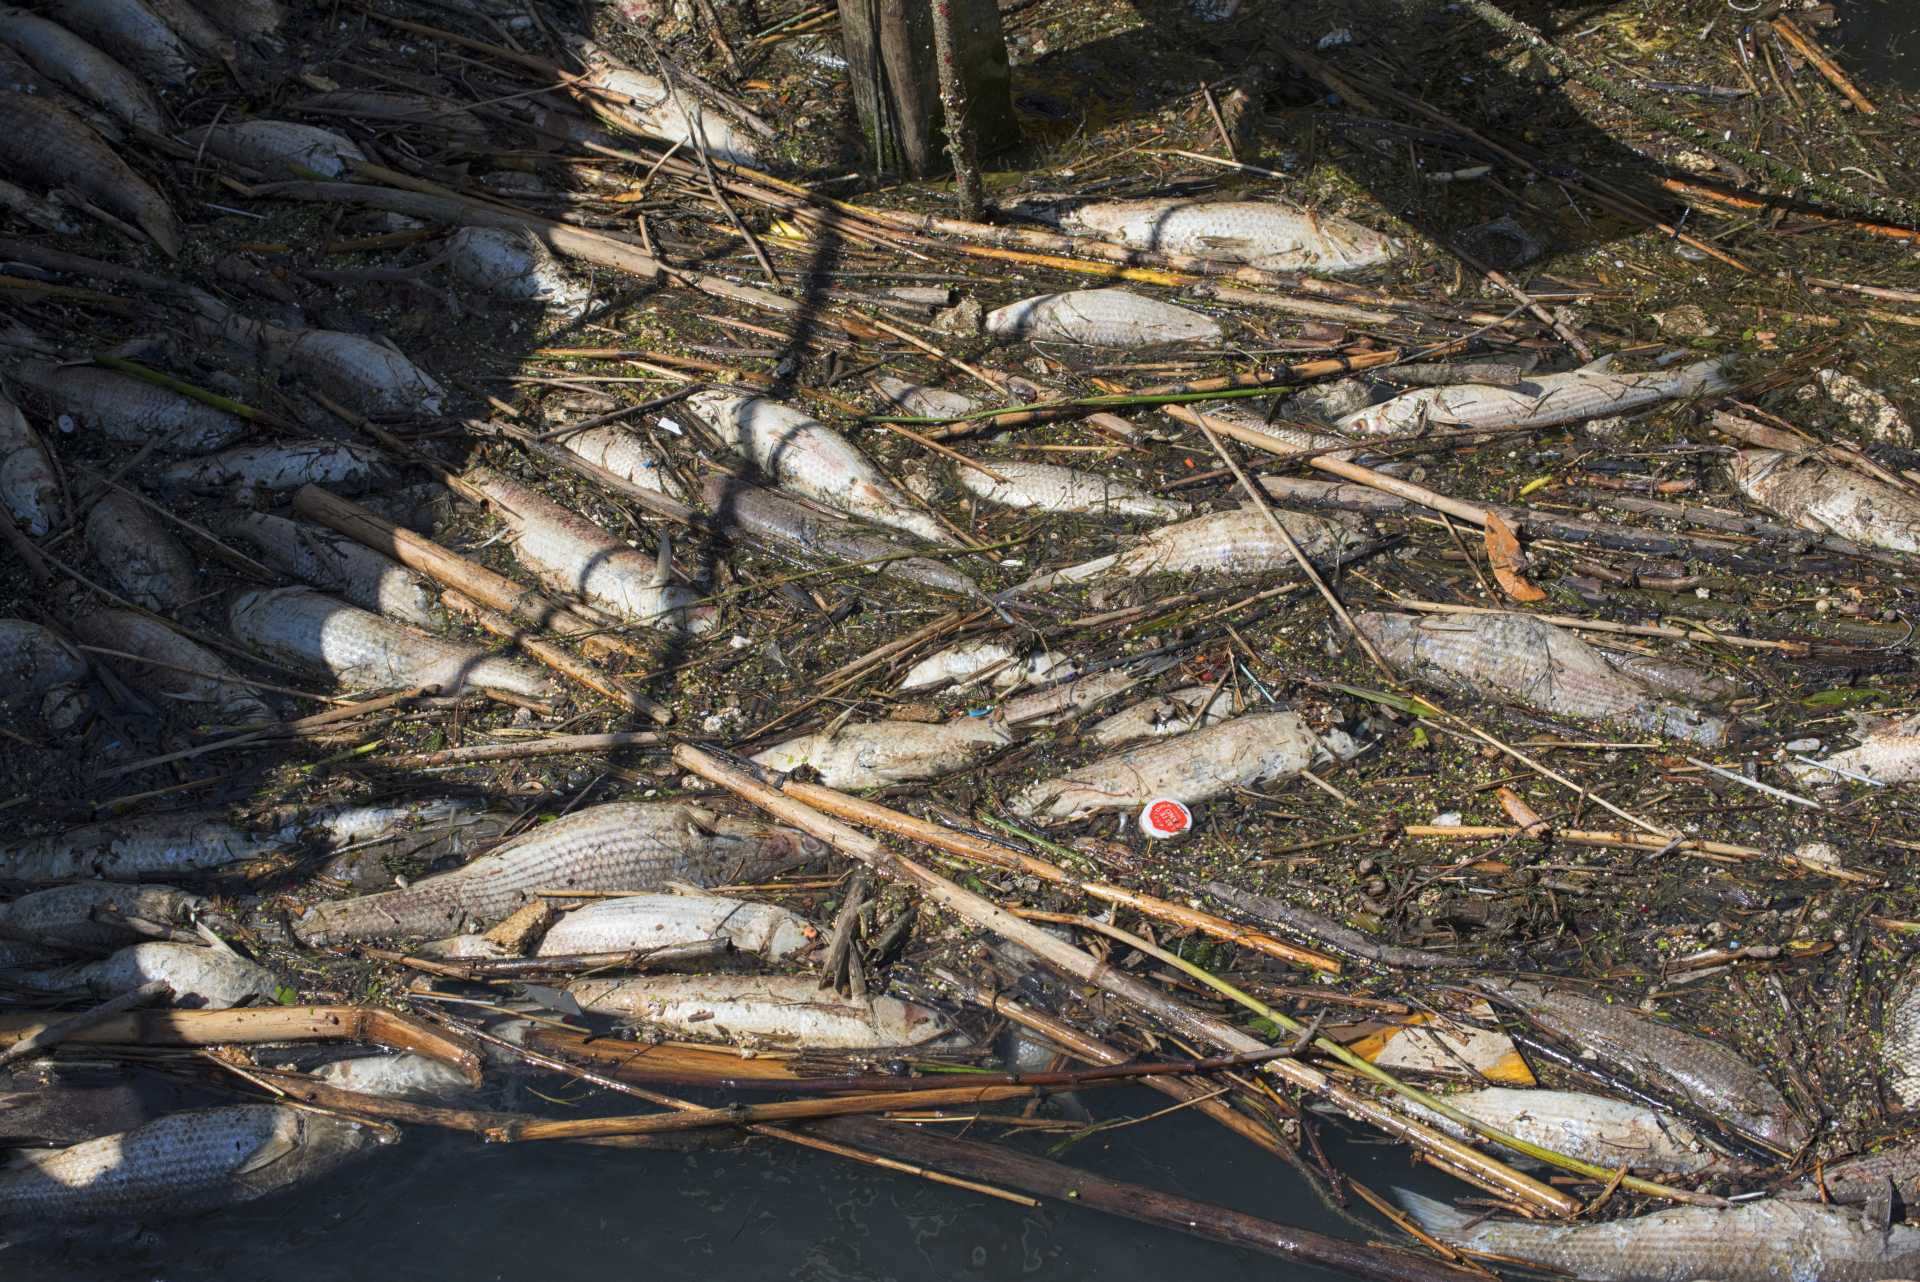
<point>896,79</point>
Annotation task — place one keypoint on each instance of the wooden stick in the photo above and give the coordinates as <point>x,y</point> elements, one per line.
<point>874,815</point>
<point>551,746</point>
<point>1804,45</point>
<point>1718,851</point>
<point>1076,964</point>
<point>50,1035</point>
<point>255,1025</point>
<point>554,657</point>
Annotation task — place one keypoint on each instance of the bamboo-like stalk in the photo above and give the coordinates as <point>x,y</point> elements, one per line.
<point>874,815</point>
<point>1077,964</point>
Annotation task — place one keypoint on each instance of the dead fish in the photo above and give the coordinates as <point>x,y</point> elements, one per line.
<point>1542,666</point>
<point>134,34</point>
<point>625,455</point>
<point>249,472</point>
<point>56,1107</point>
<point>41,211</point>
<point>658,921</point>
<point>149,848</point>
<point>1890,754</point>
<point>128,410</point>
<point>1102,318</point>
<point>82,69</point>
<point>1063,489</point>
<point>395,110</point>
<point>16,954</point>
<point>1704,1073</point>
<point>366,652</point>
<point>960,662</point>
<point>40,671</point>
<point>197,30</point>
<point>877,753</point>
<point>618,846</point>
<point>762,1010</point>
<point>653,112</point>
<point>1825,499</point>
<point>1543,400</point>
<point>92,914</point>
<point>278,148</point>
<point>1060,700</point>
<point>579,557</point>
<point>203,978</point>
<point>181,1164</point>
<point>791,526</point>
<point>361,373</point>
<point>813,460</point>
<point>1236,543</point>
<point>1256,747</point>
<point>1300,438</point>
<point>1175,712</point>
<point>1268,235</point>
<point>29,489</point>
<point>404,1076</point>
<point>1868,410</point>
<point>249,17</point>
<point>1900,1041</point>
<point>923,401</point>
<point>335,563</point>
<point>17,75</point>
<point>356,823</point>
<point>141,556</point>
<point>50,146</point>
<point>1763,1241</point>
<point>513,264</point>
<point>1671,676</point>
<point>177,668</point>
<point>1593,1128</point>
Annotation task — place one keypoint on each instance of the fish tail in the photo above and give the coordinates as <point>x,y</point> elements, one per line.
<point>1431,1214</point>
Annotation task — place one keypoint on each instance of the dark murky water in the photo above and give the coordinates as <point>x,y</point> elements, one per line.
<point>1877,41</point>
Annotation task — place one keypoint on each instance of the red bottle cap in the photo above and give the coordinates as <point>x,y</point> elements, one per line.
<point>1165,817</point>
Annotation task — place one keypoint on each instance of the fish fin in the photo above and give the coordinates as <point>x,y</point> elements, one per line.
<point>274,1148</point>
<point>1598,365</point>
<point>1431,1214</point>
<point>1877,1214</point>
<point>663,562</point>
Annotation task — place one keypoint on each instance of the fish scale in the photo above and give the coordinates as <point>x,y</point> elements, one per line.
<point>625,455</point>
<point>1765,1241</point>
<point>1102,318</point>
<point>64,57</point>
<point>1063,489</point>
<point>1544,400</point>
<point>254,471</point>
<point>33,660</point>
<point>202,977</point>
<point>48,145</point>
<point>1262,234</point>
<point>1825,499</point>
<point>366,652</point>
<point>144,849</point>
<point>1900,1043</point>
<point>812,459</point>
<point>655,113</point>
<point>129,410</point>
<point>336,563</point>
<point>141,557</point>
<point>619,846</point>
<point>785,523</point>
<point>1704,1073</point>
<point>181,669</point>
<point>1543,666</point>
<point>1593,1128</point>
<point>654,921</point>
<point>512,263</point>
<point>29,488</point>
<point>181,1164</point>
<point>1240,542</point>
<point>132,33</point>
<point>83,914</point>
<point>763,1009</point>
<point>878,753</point>
<point>1889,755</point>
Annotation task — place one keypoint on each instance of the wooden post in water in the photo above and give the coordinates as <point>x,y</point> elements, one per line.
<point>896,80</point>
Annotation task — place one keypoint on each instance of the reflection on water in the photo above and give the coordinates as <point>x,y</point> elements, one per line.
<point>442,1206</point>
<point>1878,41</point>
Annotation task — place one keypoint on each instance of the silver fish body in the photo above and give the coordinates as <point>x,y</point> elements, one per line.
<point>29,489</point>
<point>43,212</point>
<point>1826,499</point>
<point>196,29</point>
<point>782,523</point>
<point>355,823</point>
<point>654,113</point>
<point>248,17</point>
<point>248,472</point>
<point>579,557</point>
<point>203,978</point>
<point>1255,747</point>
<point>922,401</point>
<point>625,455</point>
<point>1593,1128</point>
<point>618,846</point>
<point>81,68</point>
<point>141,556</point>
<point>48,145</point>
<point>1900,1041</point>
<point>965,660</point>
<point>877,753</point>
<point>1300,438</point>
<point>762,1010</point>
<point>1707,1075</point>
<point>658,921</point>
<point>1102,318</point>
<point>1238,543</point>
<point>1542,400</point>
<point>1064,489</point>
<point>361,373</point>
<point>92,914</point>
<point>514,265</point>
<point>1176,712</point>
<point>1057,701</point>
<point>17,75</point>
<point>813,460</point>
<point>179,669</point>
<point>1545,667</point>
<point>405,1076</point>
<point>149,848</point>
<point>134,34</point>
<point>338,564</point>
<point>1890,754</point>
<point>16,954</point>
<point>363,651</point>
<point>34,662</point>
<point>181,1164</point>
<point>129,410</point>
<point>1264,234</point>
<point>1763,1241</point>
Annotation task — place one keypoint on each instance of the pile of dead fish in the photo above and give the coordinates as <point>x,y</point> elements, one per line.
<point>143,617</point>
